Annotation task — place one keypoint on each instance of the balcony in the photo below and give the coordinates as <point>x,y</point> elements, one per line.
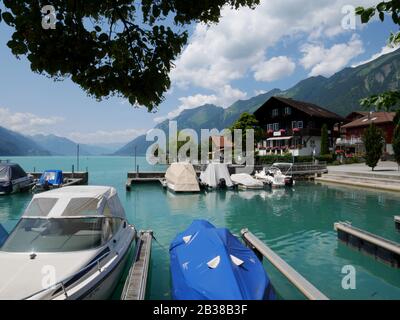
<point>349,142</point>
<point>304,132</point>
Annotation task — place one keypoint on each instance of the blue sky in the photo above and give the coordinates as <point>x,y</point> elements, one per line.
<point>249,52</point>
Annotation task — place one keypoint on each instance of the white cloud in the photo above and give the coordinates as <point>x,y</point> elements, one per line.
<point>224,98</point>
<point>26,123</point>
<point>274,69</point>
<point>327,61</point>
<point>385,50</point>
<point>222,53</point>
<point>105,137</point>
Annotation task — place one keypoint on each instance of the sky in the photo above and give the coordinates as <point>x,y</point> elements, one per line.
<point>249,52</point>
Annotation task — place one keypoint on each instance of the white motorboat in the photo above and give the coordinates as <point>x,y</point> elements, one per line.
<point>274,177</point>
<point>247,182</point>
<point>71,243</point>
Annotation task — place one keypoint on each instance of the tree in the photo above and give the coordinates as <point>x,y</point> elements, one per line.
<point>374,143</point>
<point>324,140</point>
<point>396,140</point>
<point>248,121</point>
<point>388,100</point>
<point>110,47</point>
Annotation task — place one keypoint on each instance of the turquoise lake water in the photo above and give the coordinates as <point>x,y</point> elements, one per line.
<point>297,224</point>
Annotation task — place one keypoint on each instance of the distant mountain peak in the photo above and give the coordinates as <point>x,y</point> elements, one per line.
<point>340,93</point>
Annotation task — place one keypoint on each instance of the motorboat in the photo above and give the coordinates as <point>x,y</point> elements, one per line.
<point>216,176</point>
<point>70,243</point>
<point>212,264</point>
<point>245,181</point>
<point>14,179</point>
<point>50,179</point>
<point>181,177</point>
<point>274,177</point>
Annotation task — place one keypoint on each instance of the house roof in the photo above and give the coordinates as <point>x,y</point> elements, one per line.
<point>358,114</point>
<point>376,118</point>
<point>306,107</point>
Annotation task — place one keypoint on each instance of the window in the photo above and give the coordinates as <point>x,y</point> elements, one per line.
<point>17,172</point>
<point>300,124</point>
<point>82,207</point>
<point>294,124</point>
<point>288,111</point>
<point>40,207</point>
<point>275,112</point>
<point>276,126</point>
<point>270,127</point>
<point>56,235</point>
<point>4,173</point>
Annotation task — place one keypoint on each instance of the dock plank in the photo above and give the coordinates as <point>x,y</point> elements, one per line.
<point>136,282</point>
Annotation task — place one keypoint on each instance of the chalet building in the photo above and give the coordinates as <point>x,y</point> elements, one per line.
<point>295,127</point>
<point>351,141</point>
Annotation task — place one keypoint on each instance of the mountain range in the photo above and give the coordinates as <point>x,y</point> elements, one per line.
<point>15,144</point>
<point>340,93</point>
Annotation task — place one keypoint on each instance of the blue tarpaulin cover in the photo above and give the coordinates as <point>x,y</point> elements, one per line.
<point>211,264</point>
<point>3,235</point>
<point>53,177</point>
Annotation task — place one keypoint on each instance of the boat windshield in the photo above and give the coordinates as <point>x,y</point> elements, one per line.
<point>59,235</point>
<point>4,173</point>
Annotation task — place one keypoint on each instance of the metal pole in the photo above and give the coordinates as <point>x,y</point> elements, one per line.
<point>77,157</point>
<point>135,157</point>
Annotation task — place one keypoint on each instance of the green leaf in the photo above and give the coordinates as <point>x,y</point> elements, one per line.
<point>8,18</point>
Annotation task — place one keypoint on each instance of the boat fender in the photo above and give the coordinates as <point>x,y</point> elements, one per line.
<point>214,263</point>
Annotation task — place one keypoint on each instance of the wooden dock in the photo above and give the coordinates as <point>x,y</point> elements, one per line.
<point>135,178</point>
<point>72,178</point>
<point>262,250</point>
<point>397,222</point>
<point>382,249</point>
<point>136,282</point>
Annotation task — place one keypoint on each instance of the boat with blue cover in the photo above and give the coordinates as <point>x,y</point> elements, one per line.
<point>208,263</point>
<point>50,179</point>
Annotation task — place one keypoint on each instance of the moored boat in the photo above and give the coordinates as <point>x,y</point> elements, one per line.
<point>216,176</point>
<point>247,182</point>
<point>181,177</point>
<point>274,177</point>
<point>14,179</point>
<point>50,179</point>
<point>71,243</point>
<point>211,264</point>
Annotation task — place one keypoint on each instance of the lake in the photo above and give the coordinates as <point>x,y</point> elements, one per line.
<point>297,224</point>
